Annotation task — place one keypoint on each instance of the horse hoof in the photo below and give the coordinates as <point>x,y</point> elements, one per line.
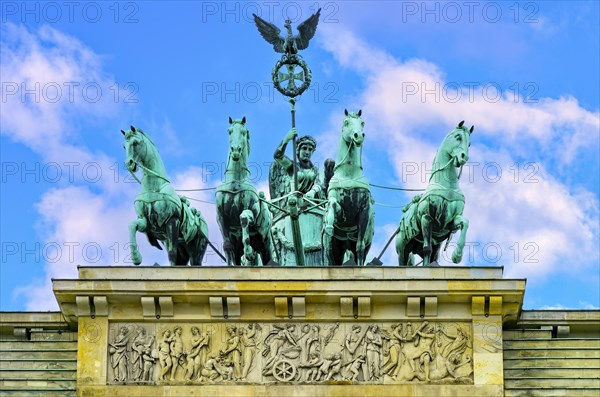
<point>457,256</point>
<point>137,259</point>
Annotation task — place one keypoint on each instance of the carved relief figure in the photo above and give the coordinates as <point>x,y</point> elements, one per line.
<point>249,339</point>
<point>148,365</point>
<point>211,370</point>
<point>141,343</point>
<point>373,346</point>
<point>280,343</point>
<point>393,351</point>
<point>119,355</point>
<point>353,348</point>
<point>177,353</point>
<point>197,355</point>
<point>310,369</point>
<point>355,367</point>
<point>164,354</point>
<point>233,351</point>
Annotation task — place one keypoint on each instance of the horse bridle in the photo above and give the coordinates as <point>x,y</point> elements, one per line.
<point>146,169</point>
<point>446,166</point>
<point>350,144</point>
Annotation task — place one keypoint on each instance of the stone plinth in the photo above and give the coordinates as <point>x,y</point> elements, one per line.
<point>209,331</point>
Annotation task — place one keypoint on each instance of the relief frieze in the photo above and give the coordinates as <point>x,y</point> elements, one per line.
<point>302,353</point>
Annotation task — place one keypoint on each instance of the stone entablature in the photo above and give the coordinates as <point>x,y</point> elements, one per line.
<point>361,328</point>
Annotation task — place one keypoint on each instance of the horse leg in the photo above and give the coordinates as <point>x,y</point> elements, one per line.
<point>249,256</point>
<point>199,249</point>
<point>363,226</point>
<point>400,248</point>
<point>338,250</point>
<point>182,256</point>
<point>426,231</point>
<point>435,251</point>
<point>333,208</point>
<point>140,225</point>
<point>171,240</point>
<point>462,223</point>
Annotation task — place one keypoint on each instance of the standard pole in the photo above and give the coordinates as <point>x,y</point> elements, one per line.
<point>293,111</point>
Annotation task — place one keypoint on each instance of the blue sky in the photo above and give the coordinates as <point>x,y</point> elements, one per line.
<point>524,73</point>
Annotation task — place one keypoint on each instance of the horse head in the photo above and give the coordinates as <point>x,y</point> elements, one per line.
<point>239,139</point>
<point>352,130</point>
<point>135,148</point>
<point>457,144</point>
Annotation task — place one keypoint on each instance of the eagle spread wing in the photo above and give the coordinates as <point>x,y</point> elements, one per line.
<point>270,32</point>
<point>307,30</point>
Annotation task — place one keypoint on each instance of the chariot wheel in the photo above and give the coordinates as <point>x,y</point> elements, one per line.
<point>284,370</point>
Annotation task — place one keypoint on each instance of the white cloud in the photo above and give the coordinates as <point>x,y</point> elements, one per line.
<point>86,222</point>
<point>415,93</point>
<point>49,79</point>
<point>537,226</point>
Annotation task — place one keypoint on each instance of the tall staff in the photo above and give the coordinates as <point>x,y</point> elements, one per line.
<point>289,62</point>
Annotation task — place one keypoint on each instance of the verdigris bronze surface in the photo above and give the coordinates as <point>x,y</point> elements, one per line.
<point>349,222</point>
<point>162,214</point>
<point>431,217</point>
<point>289,46</point>
<point>244,219</point>
<point>298,212</point>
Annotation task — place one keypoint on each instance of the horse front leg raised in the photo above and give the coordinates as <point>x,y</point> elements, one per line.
<point>249,255</point>
<point>138,225</point>
<point>462,223</point>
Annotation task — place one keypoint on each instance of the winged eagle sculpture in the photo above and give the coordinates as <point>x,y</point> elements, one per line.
<point>291,44</point>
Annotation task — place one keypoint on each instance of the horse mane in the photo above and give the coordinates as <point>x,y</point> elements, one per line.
<point>146,136</point>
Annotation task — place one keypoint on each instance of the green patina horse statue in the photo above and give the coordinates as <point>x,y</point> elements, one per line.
<point>244,219</point>
<point>430,218</point>
<point>349,219</point>
<point>162,214</point>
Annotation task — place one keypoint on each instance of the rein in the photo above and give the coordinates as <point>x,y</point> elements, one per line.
<point>148,170</point>
<point>350,144</point>
<point>446,166</point>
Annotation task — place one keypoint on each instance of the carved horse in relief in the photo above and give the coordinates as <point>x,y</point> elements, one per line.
<point>243,218</point>
<point>161,213</point>
<point>349,220</point>
<point>430,218</point>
